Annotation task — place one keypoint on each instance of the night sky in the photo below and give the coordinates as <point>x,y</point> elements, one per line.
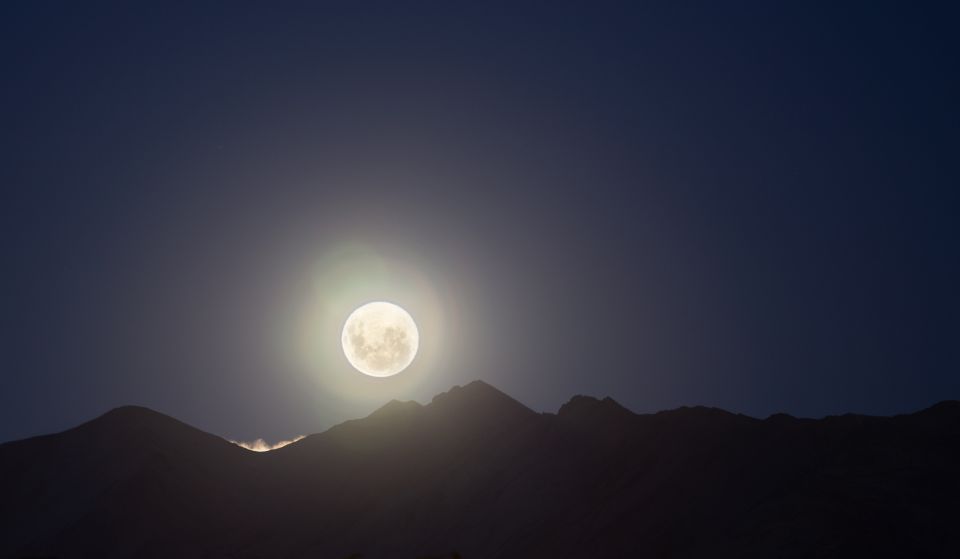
<point>742,205</point>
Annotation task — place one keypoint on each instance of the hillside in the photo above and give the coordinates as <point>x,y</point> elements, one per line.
<point>477,472</point>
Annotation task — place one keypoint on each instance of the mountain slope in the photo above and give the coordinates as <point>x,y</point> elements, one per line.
<point>119,485</point>
<point>476,471</point>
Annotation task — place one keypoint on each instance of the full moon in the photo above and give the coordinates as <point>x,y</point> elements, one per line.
<point>380,339</point>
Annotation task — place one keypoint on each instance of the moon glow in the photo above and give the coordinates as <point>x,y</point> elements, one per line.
<point>380,339</point>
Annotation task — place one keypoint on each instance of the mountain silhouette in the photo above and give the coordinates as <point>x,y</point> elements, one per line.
<point>477,473</point>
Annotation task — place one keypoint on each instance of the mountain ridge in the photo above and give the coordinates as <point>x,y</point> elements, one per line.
<point>126,412</point>
<point>476,471</point>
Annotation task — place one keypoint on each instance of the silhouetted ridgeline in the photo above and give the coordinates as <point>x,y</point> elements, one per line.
<point>478,472</point>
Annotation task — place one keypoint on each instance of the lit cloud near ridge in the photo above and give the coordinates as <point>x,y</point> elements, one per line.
<point>260,445</point>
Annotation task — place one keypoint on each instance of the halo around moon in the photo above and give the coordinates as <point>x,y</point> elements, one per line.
<point>380,339</point>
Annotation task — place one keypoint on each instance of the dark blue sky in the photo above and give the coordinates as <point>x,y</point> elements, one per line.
<point>742,205</point>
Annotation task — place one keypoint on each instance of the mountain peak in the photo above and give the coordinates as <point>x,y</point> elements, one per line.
<point>703,415</point>
<point>478,397</point>
<point>947,411</point>
<point>139,425</point>
<point>131,410</point>
<point>581,406</point>
<point>475,389</point>
<point>944,407</point>
<point>473,393</point>
<point>394,408</point>
<point>131,416</point>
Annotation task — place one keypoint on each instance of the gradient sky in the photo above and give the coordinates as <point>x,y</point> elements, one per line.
<point>744,205</point>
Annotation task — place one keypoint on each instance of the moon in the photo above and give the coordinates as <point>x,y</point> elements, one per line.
<point>380,339</point>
